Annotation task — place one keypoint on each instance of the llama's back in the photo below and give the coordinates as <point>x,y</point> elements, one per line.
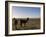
<point>23,20</point>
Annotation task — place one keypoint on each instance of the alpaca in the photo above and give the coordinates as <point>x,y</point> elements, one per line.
<point>22,21</point>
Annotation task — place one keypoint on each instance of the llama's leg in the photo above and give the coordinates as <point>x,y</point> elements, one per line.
<point>15,26</point>
<point>24,24</point>
<point>21,24</point>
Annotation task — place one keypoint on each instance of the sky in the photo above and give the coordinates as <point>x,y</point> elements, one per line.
<point>24,12</point>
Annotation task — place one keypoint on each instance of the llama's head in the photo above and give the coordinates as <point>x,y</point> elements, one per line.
<point>13,18</point>
<point>27,19</point>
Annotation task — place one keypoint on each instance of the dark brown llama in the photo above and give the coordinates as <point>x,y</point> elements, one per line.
<point>23,21</point>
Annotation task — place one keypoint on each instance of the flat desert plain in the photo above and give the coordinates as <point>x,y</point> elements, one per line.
<point>31,24</point>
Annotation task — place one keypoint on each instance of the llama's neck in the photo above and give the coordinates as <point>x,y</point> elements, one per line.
<point>26,20</point>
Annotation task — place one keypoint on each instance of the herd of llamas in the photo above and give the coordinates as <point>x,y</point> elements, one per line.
<point>21,21</point>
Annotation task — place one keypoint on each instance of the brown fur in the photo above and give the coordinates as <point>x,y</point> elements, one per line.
<point>23,21</point>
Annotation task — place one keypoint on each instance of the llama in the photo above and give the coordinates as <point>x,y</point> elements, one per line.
<point>22,21</point>
<point>14,22</point>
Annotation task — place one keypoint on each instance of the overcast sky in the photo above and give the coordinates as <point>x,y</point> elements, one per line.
<point>24,12</point>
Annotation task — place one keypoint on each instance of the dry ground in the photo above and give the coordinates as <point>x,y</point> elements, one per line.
<point>31,24</point>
